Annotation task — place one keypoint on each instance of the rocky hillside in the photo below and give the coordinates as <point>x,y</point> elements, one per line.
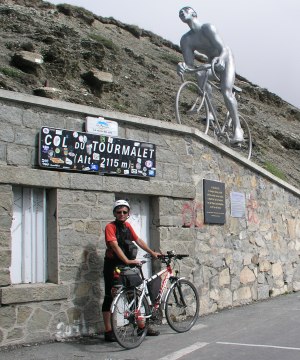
<point>69,53</point>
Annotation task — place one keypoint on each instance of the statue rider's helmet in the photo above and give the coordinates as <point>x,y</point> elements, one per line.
<point>188,9</point>
<point>120,203</point>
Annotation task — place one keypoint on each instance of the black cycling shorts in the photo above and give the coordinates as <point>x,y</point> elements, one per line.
<point>108,273</point>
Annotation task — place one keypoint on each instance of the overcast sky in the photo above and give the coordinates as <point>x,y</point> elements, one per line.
<point>262,34</point>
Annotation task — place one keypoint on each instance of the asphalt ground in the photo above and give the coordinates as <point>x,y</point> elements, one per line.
<point>266,330</point>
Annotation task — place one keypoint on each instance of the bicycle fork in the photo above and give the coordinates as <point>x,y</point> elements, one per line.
<point>196,109</point>
<point>178,296</point>
<point>177,293</point>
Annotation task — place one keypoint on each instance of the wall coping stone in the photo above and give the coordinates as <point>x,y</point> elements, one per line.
<point>23,293</point>
<point>92,182</point>
<point>147,122</point>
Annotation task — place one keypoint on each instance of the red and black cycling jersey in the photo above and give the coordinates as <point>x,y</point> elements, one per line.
<point>118,232</point>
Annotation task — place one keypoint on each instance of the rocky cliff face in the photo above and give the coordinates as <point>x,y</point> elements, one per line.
<point>68,53</point>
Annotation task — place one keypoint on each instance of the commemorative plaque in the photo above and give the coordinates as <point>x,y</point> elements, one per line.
<point>214,202</point>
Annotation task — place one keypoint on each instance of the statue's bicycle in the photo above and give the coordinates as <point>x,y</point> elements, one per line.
<point>136,305</point>
<point>195,107</point>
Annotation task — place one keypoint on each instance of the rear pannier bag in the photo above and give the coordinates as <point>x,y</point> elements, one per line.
<point>131,277</point>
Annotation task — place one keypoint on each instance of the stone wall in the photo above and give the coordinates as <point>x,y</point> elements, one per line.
<point>247,259</point>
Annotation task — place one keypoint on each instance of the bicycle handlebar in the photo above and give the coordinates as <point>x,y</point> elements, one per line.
<point>167,257</point>
<point>171,255</point>
<point>204,67</point>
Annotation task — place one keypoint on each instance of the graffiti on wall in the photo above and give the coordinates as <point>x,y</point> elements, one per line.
<point>252,206</point>
<point>65,331</point>
<point>192,214</point>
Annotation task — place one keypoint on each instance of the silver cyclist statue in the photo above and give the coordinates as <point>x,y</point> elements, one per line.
<point>205,39</point>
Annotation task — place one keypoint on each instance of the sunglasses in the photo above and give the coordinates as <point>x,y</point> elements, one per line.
<point>122,212</point>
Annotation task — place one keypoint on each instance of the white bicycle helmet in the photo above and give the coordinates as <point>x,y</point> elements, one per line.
<point>121,203</point>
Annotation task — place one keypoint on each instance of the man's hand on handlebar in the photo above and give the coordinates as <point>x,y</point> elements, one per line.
<point>155,254</point>
<point>218,64</point>
<point>181,68</point>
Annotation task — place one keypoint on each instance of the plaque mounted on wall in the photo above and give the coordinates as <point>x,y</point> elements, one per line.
<point>214,202</point>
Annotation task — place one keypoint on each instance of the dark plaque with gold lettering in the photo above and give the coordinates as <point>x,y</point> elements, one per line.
<point>214,202</point>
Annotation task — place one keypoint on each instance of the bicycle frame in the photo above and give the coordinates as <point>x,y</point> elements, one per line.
<point>168,272</point>
<point>206,98</point>
<point>169,277</point>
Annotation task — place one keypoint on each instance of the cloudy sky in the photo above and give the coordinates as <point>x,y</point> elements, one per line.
<point>263,34</point>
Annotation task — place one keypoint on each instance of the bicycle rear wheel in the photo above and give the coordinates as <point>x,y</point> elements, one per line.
<point>182,305</point>
<point>191,107</point>
<point>124,318</point>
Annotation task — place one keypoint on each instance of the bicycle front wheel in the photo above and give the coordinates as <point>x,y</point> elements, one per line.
<point>126,326</point>
<point>182,305</point>
<point>191,107</point>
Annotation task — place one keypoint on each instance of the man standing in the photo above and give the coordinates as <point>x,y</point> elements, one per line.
<point>205,39</point>
<point>116,233</point>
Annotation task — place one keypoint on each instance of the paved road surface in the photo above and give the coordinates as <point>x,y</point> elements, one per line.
<point>268,330</point>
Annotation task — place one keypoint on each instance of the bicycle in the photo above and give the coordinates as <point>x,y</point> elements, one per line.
<point>195,106</point>
<point>134,307</point>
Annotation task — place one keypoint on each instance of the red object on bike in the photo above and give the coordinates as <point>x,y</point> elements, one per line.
<point>140,320</point>
<point>116,274</point>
